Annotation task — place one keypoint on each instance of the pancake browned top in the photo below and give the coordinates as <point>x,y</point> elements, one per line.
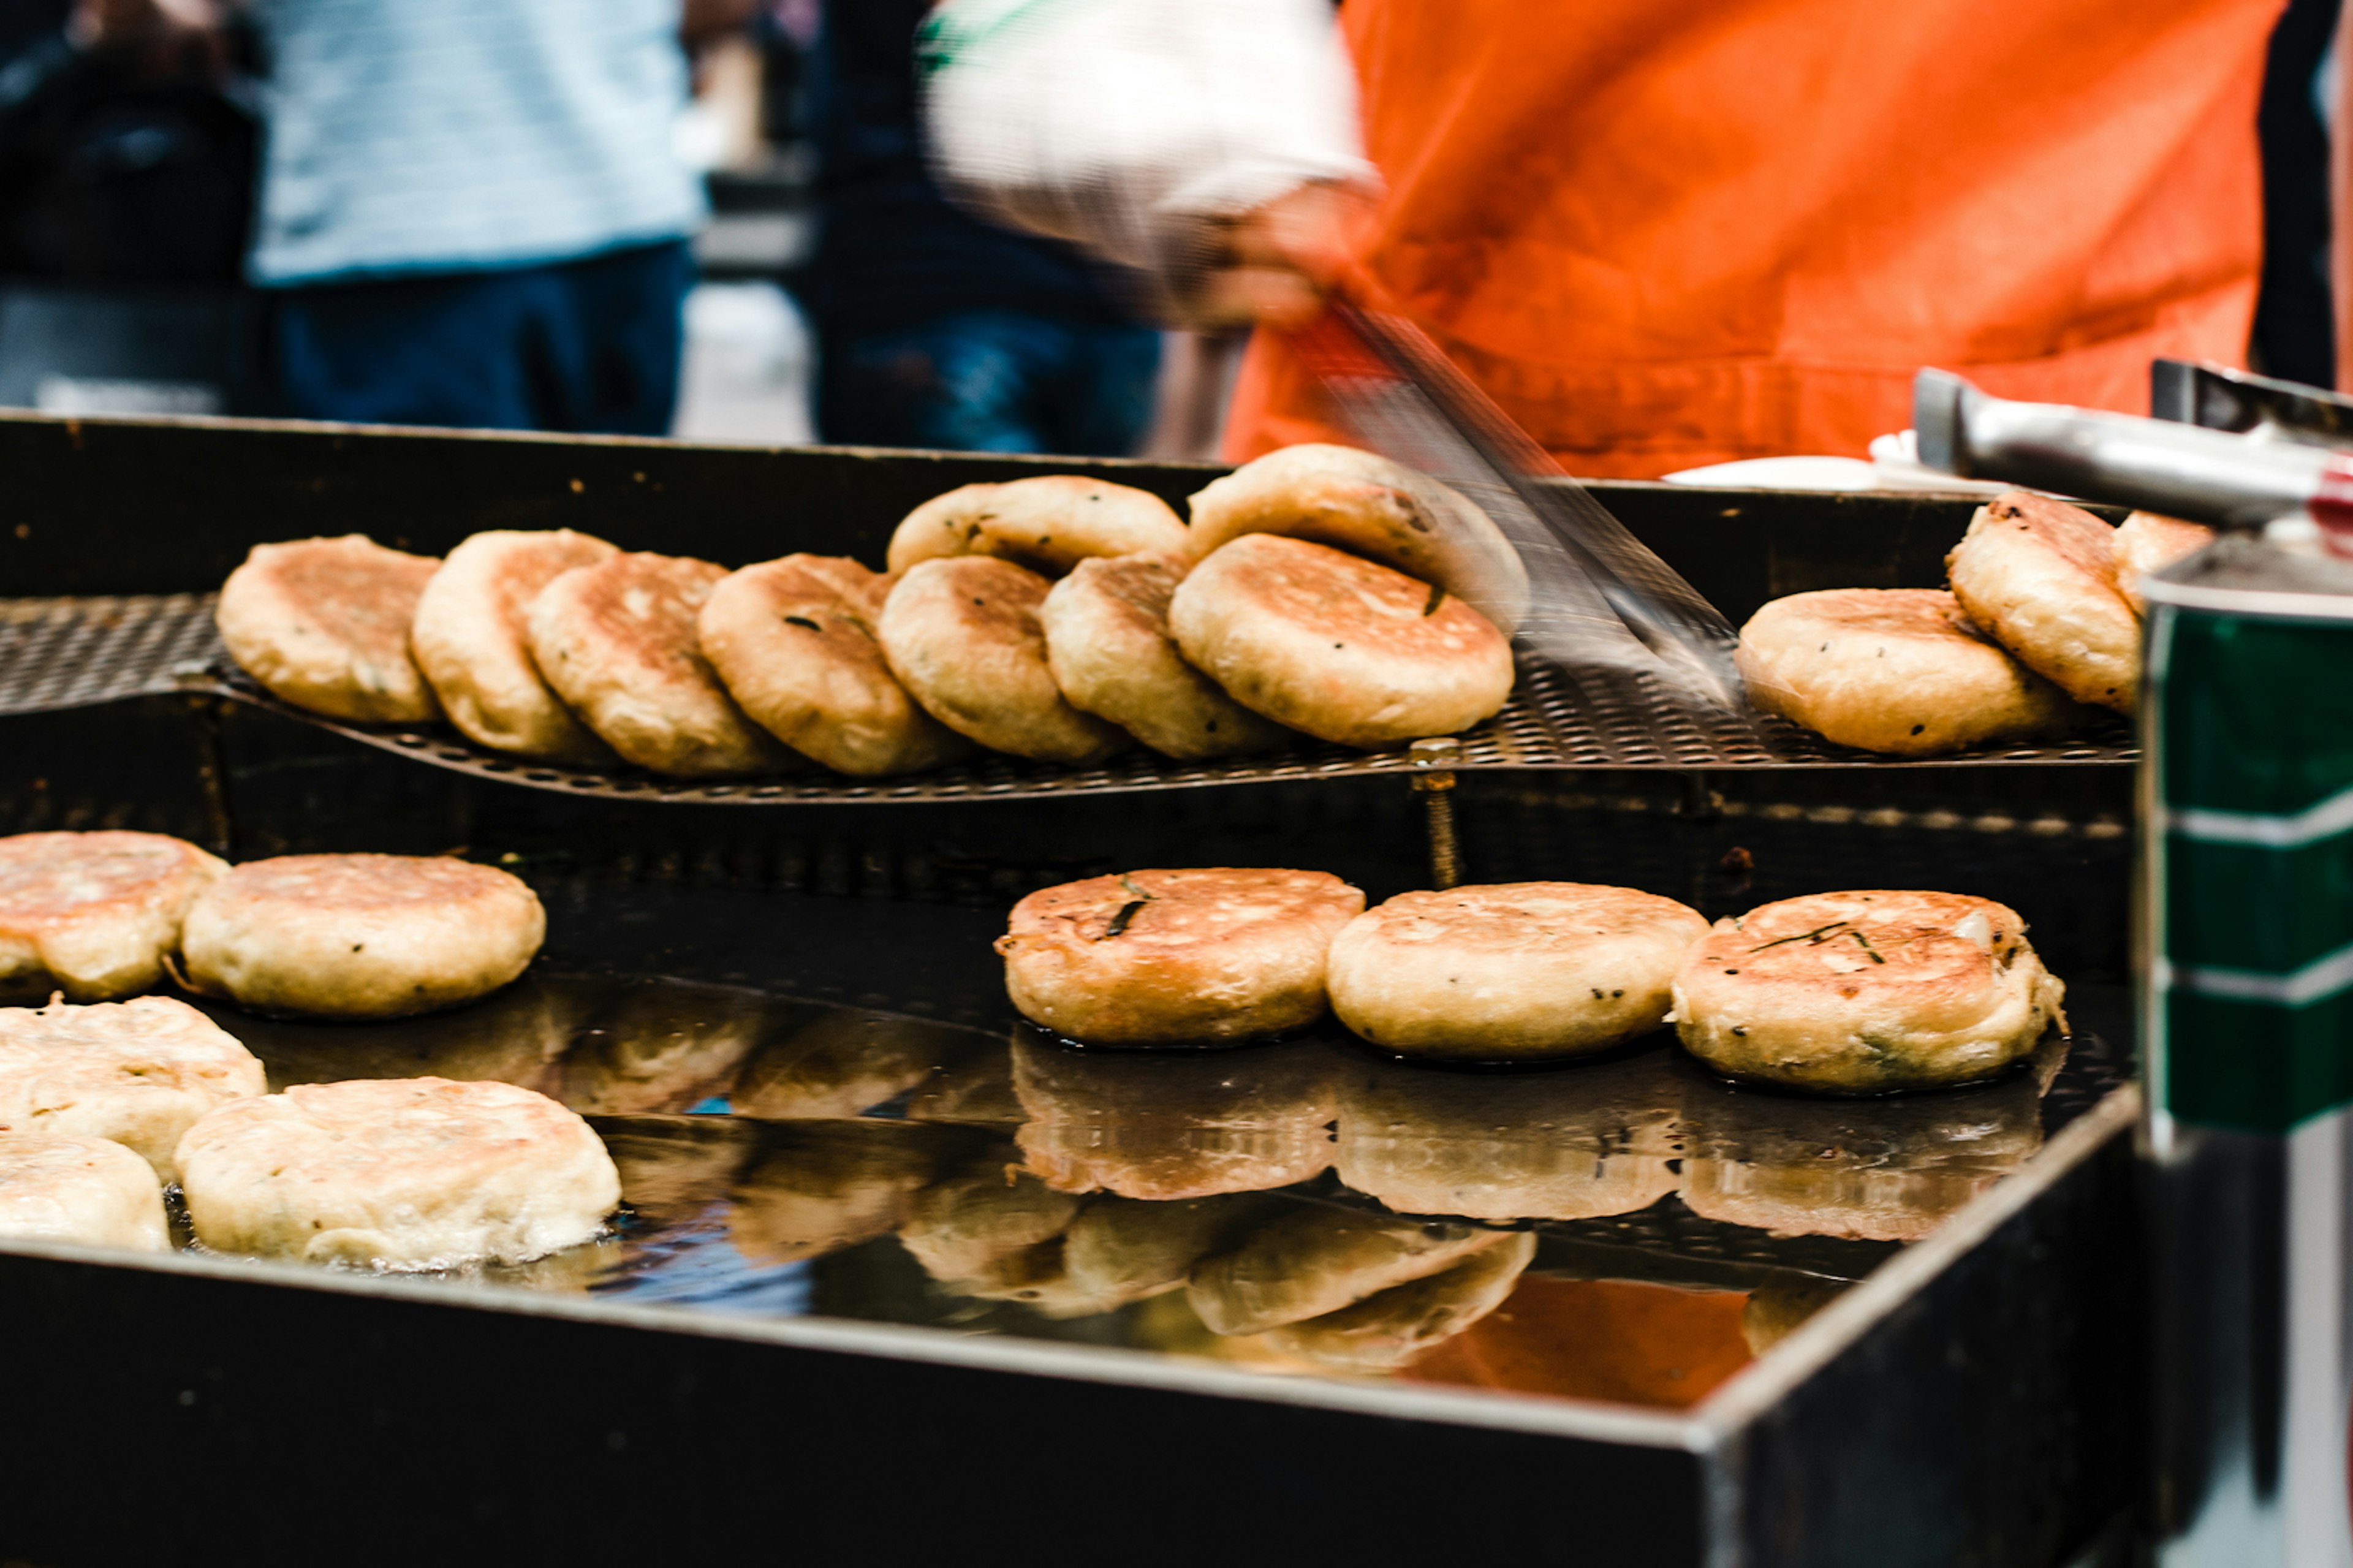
<point>2072,539</point>
<point>1176,913</point>
<point>1139,586</point>
<point>49,878</point>
<point>817,577</point>
<point>1932,955</point>
<point>1330,594</point>
<point>1523,917</point>
<point>944,525</point>
<point>987,600</point>
<point>391,1137</point>
<point>518,565</point>
<point>52,1057</point>
<point>353,587</point>
<point>1928,616</point>
<point>640,609</point>
<point>353,882</point>
<point>831,602</point>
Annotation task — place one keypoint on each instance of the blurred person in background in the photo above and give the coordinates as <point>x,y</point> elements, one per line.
<point>1661,235</point>
<point>937,328</point>
<point>470,210</point>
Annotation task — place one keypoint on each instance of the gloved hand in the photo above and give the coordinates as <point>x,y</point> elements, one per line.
<point>1209,144</point>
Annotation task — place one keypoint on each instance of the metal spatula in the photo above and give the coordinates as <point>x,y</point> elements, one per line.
<point>1598,596</point>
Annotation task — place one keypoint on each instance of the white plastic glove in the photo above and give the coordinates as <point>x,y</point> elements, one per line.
<point>1143,129</point>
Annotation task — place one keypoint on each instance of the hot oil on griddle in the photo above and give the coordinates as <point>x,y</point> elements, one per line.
<point>1631,1230</point>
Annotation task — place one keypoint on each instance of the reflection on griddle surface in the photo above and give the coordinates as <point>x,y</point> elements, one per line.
<point>1631,1230</point>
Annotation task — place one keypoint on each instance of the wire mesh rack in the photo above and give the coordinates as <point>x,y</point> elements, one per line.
<point>60,653</point>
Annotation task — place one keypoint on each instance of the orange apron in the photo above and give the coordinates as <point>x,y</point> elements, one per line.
<point>1663,232</point>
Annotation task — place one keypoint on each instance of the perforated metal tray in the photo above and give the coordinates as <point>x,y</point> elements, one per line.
<point>74,652</point>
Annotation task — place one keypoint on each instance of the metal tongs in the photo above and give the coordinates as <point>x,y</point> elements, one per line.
<point>2231,480</point>
<point>1597,595</point>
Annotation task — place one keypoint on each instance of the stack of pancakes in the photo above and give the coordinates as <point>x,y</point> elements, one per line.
<point>2042,618</point>
<point>1321,589</point>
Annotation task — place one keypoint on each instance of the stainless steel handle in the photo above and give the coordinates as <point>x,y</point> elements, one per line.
<point>2205,476</point>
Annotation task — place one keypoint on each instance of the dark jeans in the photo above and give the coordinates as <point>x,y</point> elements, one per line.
<point>584,346</point>
<point>992,380</point>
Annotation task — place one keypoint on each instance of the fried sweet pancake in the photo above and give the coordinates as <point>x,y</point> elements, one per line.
<point>1344,649</point>
<point>138,1073</point>
<point>619,644</point>
<point>1048,524</point>
<point>1109,647</point>
<point>1510,971</point>
<point>324,623</point>
<point>794,639</point>
<point>417,1173</point>
<point>2040,577</point>
<point>472,639</point>
<point>964,638</point>
<point>1864,993</point>
<point>1895,670</point>
<point>94,914</point>
<point>85,1190</point>
<point>360,936</point>
<point>1367,505</point>
<point>1176,957</point>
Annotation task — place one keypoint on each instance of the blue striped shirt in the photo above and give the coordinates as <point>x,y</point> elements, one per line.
<point>418,136</point>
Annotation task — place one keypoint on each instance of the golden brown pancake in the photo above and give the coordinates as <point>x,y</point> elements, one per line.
<point>1048,524</point>
<point>138,1073</point>
<point>1340,647</point>
<point>944,525</point>
<point>1600,1138</point>
<point>1108,644</point>
<point>94,914</point>
<point>1510,971</point>
<point>793,640</point>
<point>964,638</point>
<point>1864,993</point>
<point>1312,1260</point>
<point>2040,576</point>
<point>2149,542</point>
<point>83,1190</point>
<point>1895,670</point>
<point>360,936</point>
<point>1179,957</point>
<point>1162,1127</point>
<point>416,1172</point>
<point>1354,500</point>
<point>617,642</point>
<point>470,639</point>
<point>323,623</point>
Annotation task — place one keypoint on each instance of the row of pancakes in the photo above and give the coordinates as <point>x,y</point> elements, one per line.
<point>102,1103</point>
<point>1850,993</point>
<point>1321,589</point>
<point>2042,622</point>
